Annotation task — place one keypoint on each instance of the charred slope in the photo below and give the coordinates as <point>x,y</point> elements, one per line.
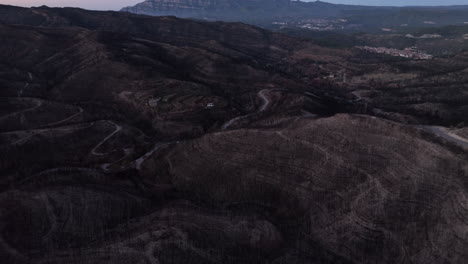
<point>77,80</point>
<point>347,189</point>
<point>132,139</point>
<point>429,92</point>
<point>401,89</point>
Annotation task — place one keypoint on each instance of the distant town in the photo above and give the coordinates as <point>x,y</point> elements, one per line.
<point>316,24</point>
<point>411,53</point>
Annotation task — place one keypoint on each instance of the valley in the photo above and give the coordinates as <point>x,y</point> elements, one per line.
<point>127,138</point>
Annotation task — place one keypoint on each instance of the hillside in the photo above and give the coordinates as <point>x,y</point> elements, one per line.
<point>128,138</point>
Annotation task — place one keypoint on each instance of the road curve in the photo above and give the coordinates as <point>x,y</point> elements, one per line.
<point>139,162</point>
<point>263,107</point>
<point>80,111</point>
<point>94,151</point>
<point>34,132</point>
<point>446,134</point>
<point>37,102</point>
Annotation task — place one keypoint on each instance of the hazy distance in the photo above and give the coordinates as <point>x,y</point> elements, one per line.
<point>118,4</point>
<point>87,4</point>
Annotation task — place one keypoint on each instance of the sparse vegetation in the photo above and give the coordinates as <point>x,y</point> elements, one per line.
<point>138,139</point>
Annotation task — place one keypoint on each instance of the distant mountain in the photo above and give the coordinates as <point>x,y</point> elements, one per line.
<point>266,12</point>
<point>240,10</point>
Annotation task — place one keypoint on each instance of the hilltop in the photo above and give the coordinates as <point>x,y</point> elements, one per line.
<point>129,138</point>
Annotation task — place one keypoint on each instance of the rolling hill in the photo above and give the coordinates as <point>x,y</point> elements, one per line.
<point>128,138</point>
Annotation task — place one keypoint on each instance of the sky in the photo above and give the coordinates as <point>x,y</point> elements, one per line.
<point>87,4</point>
<point>118,4</point>
<point>399,2</point>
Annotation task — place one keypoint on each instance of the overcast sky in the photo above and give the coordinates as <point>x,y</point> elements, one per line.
<point>400,2</point>
<point>117,4</point>
<point>88,4</point>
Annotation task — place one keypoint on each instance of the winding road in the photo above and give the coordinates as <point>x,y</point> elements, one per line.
<point>446,134</point>
<point>35,132</point>
<point>94,151</point>
<point>358,97</point>
<point>80,111</point>
<point>38,103</point>
<point>265,99</point>
<point>262,108</point>
<point>139,162</point>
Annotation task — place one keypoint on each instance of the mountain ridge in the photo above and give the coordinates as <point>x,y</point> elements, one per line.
<point>265,12</point>
<point>128,138</point>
